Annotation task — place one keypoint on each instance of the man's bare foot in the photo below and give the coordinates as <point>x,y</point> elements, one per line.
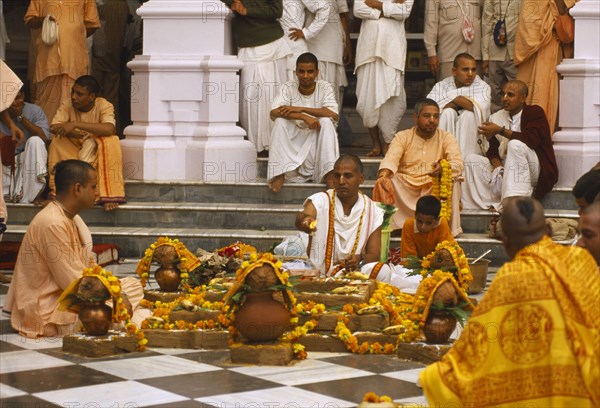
<point>5,278</point>
<point>375,151</point>
<point>110,206</point>
<point>276,183</point>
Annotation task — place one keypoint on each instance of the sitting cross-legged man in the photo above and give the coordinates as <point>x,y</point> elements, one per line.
<point>84,129</point>
<point>304,143</point>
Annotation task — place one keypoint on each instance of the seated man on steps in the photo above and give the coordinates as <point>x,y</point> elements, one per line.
<point>56,248</point>
<point>84,129</point>
<point>405,173</point>
<point>465,101</point>
<point>304,142</point>
<point>25,178</point>
<point>519,158</point>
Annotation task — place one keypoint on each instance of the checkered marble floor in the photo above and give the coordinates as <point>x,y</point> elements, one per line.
<point>37,373</point>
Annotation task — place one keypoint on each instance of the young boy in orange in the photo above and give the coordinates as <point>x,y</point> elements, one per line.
<point>421,234</point>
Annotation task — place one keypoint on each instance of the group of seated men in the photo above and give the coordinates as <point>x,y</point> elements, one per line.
<point>82,128</point>
<point>492,157</point>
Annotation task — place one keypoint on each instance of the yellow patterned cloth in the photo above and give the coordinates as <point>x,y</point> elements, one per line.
<point>533,339</point>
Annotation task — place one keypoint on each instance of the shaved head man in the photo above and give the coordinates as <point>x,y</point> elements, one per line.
<point>542,310</point>
<point>523,223</point>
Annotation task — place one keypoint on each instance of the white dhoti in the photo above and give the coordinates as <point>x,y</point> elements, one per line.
<point>521,170</point>
<point>407,195</point>
<point>395,275</point>
<point>28,179</point>
<point>463,126</point>
<point>263,74</point>
<point>300,153</point>
<point>381,97</point>
<point>477,188</point>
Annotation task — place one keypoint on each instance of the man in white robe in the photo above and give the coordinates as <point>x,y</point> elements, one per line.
<point>465,101</point>
<point>519,158</point>
<point>304,142</point>
<point>344,228</point>
<point>332,45</point>
<point>380,63</point>
<point>298,31</point>
<point>26,179</point>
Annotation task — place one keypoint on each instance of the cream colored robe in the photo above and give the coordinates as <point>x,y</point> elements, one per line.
<point>410,157</point>
<point>58,65</point>
<point>538,52</point>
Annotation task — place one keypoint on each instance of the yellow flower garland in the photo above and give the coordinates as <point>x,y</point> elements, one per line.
<point>187,261</point>
<point>119,310</point>
<point>442,189</point>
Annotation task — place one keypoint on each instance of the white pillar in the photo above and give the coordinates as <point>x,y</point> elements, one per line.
<point>577,144</point>
<point>185,97</point>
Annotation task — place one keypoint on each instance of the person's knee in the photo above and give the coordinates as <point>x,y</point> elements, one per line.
<point>515,146</point>
<point>449,114</point>
<point>35,142</point>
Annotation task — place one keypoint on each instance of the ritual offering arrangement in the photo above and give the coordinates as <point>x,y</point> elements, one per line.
<point>106,329</point>
<point>264,315</point>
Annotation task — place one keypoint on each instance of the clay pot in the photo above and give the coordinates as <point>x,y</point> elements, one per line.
<point>262,278</point>
<point>439,326</point>
<point>262,318</point>
<point>479,271</point>
<point>168,278</point>
<point>445,294</point>
<point>96,317</point>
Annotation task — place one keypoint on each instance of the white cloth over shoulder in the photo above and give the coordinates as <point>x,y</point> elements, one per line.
<point>464,124</point>
<point>346,228</point>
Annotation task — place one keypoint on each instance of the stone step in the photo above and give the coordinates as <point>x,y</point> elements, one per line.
<point>242,191</point>
<point>133,241</point>
<point>249,216</point>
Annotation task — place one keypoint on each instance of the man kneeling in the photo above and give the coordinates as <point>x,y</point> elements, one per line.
<point>304,142</point>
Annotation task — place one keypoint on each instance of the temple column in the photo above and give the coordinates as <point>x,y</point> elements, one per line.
<point>577,144</point>
<point>185,97</point>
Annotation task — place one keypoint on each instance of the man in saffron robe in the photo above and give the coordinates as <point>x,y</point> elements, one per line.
<point>84,128</point>
<point>58,65</point>
<point>533,339</point>
<point>538,51</point>
<point>413,157</point>
<point>56,248</point>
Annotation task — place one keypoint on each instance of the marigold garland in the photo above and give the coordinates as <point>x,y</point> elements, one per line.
<point>67,301</point>
<point>187,261</point>
<point>442,189</point>
<point>237,249</point>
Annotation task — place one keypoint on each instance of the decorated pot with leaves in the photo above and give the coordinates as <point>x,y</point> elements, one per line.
<point>439,326</point>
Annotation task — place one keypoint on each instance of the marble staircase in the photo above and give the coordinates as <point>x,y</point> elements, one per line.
<point>211,215</point>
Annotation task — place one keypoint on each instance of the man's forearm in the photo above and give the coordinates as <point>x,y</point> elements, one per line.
<point>97,129</point>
